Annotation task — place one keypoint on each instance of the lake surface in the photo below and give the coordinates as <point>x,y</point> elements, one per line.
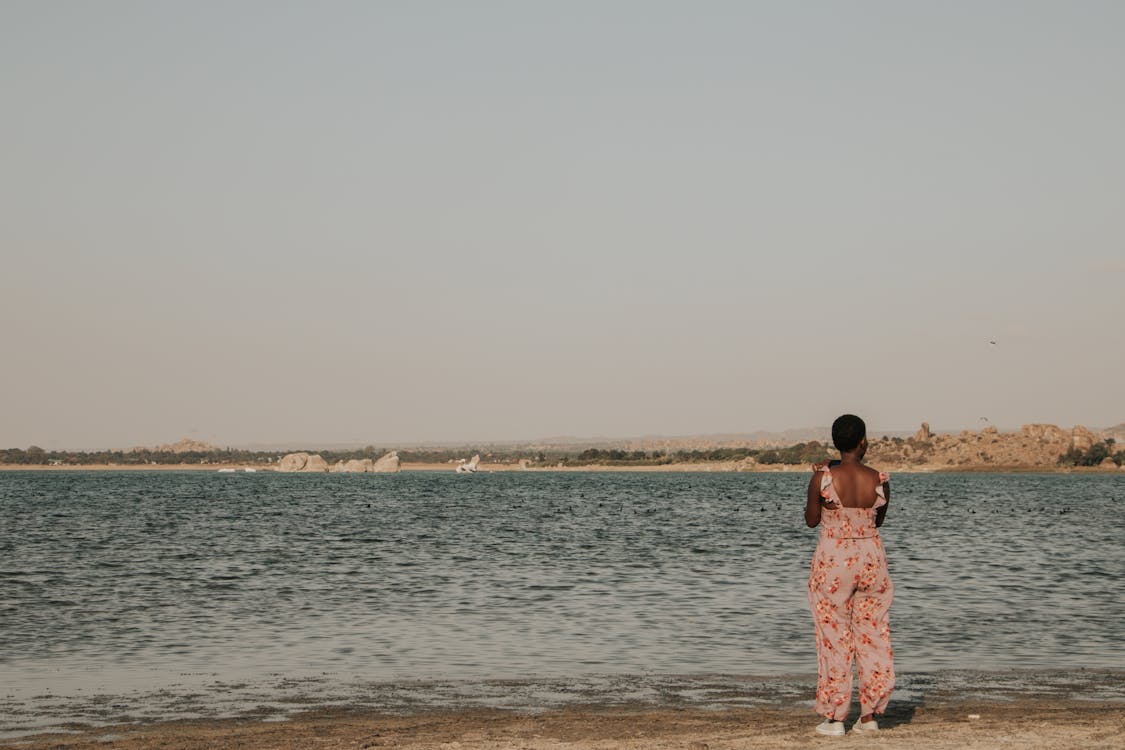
<point>107,576</point>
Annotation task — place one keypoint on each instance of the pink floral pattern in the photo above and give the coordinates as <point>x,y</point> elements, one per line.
<point>850,594</point>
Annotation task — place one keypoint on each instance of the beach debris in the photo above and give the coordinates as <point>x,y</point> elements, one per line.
<point>470,467</point>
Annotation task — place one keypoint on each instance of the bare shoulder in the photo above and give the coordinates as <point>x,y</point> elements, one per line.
<point>874,474</point>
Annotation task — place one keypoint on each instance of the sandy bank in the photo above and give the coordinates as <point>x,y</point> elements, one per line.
<point>1030,723</point>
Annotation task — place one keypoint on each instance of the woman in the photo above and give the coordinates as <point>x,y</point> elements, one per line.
<point>850,590</point>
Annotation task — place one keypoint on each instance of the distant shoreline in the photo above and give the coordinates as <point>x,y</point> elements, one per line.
<point>705,467</point>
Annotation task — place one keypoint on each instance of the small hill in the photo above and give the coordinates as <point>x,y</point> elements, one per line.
<point>1035,446</point>
<point>186,445</point>
<point>1117,432</point>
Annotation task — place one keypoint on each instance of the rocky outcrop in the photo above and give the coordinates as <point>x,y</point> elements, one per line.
<point>747,464</point>
<point>387,464</point>
<point>923,434</point>
<point>1117,432</point>
<point>1082,439</point>
<point>293,462</point>
<point>470,467</point>
<point>1034,446</point>
<point>359,465</point>
<point>303,462</point>
<point>186,445</point>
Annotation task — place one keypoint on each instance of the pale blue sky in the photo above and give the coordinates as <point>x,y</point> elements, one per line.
<point>395,222</point>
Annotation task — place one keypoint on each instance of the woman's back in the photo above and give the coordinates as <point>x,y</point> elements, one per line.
<point>856,485</point>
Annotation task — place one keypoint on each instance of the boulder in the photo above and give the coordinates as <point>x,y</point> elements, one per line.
<point>315,463</point>
<point>302,462</point>
<point>293,462</point>
<point>470,467</point>
<point>923,434</point>
<point>387,464</point>
<point>1108,463</point>
<point>355,465</point>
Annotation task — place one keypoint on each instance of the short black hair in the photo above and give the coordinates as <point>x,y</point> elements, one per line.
<point>847,431</point>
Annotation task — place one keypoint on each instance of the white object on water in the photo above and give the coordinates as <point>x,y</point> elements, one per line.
<point>226,471</point>
<point>249,471</point>
<point>469,468</point>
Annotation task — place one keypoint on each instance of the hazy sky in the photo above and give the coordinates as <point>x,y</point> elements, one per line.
<point>405,221</point>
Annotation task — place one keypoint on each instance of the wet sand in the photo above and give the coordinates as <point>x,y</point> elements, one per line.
<point>1025,723</point>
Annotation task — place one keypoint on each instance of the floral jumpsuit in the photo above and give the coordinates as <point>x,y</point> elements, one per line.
<point>850,595</point>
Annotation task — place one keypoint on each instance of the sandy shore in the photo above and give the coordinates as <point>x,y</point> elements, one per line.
<point>1027,723</point>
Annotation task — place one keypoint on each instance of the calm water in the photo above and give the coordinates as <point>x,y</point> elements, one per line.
<point>513,576</point>
<point>525,574</point>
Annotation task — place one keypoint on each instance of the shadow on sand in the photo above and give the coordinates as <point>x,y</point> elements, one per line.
<point>899,714</point>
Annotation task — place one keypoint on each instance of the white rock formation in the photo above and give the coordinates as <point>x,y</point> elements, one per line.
<point>360,465</point>
<point>470,467</point>
<point>387,464</point>
<point>302,462</point>
<point>293,462</point>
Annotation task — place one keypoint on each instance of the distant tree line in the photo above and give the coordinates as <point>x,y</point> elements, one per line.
<point>799,453</point>
<point>794,454</point>
<point>35,455</point>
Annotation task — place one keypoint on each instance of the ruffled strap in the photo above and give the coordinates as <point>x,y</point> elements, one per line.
<point>884,477</point>
<point>827,490</point>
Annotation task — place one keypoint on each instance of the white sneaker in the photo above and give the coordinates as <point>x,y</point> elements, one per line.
<point>832,728</point>
<point>866,726</point>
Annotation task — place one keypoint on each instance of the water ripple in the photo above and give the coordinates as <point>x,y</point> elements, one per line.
<point>517,575</point>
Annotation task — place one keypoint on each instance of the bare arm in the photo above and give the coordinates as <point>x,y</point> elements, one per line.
<point>881,512</point>
<point>812,503</point>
